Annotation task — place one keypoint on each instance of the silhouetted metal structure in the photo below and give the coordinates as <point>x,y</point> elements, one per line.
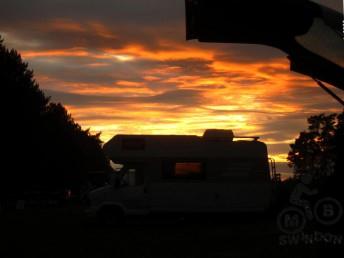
<point>311,34</point>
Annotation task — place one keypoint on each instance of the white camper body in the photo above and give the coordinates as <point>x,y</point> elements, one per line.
<point>173,173</point>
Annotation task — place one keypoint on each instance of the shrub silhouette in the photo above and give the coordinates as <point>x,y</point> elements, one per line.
<point>319,151</point>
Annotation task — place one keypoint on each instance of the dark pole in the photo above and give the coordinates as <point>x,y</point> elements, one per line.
<point>330,92</point>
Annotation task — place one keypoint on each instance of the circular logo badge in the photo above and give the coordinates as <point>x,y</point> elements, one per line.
<point>328,211</point>
<point>291,220</point>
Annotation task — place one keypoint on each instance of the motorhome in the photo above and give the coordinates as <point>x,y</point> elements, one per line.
<point>216,172</point>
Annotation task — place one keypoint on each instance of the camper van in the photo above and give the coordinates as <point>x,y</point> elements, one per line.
<point>216,172</point>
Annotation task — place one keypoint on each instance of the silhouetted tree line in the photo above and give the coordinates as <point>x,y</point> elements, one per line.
<point>43,148</point>
<point>319,151</point>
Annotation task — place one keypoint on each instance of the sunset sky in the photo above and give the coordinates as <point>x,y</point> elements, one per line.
<point>124,66</point>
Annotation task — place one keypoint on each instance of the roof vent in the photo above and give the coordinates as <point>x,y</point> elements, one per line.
<point>224,135</point>
<point>218,135</point>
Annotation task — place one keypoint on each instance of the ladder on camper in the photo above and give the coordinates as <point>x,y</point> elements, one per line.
<point>275,177</point>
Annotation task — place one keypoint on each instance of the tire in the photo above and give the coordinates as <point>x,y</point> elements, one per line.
<point>111,216</point>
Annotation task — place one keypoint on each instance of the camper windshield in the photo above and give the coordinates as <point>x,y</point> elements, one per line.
<point>119,177</point>
<point>128,176</point>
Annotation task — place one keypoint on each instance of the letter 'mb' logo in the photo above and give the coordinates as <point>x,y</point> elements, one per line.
<point>291,220</point>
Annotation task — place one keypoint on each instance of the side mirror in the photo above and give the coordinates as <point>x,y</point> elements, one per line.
<point>131,177</point>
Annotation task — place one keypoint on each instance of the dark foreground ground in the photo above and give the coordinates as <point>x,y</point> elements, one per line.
<point>68,233</point>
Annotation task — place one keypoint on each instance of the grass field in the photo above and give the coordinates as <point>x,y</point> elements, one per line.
<point>68,233</point>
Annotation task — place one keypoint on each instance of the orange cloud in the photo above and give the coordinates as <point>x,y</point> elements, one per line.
<point>71,52</point>
<point>127,53</point>
<point>181,53</point>
<point>129,84</point>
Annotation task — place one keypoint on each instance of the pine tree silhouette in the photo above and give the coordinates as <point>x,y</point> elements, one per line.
<point>44,149</point>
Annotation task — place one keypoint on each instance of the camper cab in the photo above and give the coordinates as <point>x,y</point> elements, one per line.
<point>185,173</point>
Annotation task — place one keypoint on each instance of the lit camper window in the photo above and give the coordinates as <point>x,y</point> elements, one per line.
<point>183,170</point>
<point>191,170</point>
<point>187,169</point>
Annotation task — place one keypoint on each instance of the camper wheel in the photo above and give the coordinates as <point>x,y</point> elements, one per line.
<point>111,215</point>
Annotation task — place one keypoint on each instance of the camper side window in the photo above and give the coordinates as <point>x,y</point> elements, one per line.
<point>133,144</point>
<point>183,170</point>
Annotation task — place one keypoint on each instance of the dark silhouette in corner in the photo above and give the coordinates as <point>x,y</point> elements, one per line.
<point>310,33</point>
<point>319,152</point>
<point>44,151</point>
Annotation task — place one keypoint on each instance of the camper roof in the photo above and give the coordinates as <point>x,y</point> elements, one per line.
<point>214,143</point>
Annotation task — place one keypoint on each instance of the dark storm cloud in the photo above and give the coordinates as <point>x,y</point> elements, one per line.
<point>120,11</point>
<point>239,111</point>
<point>177,97</point>
<point>192,66</point>
<point>136,11</point>
<point>128,21</point>
<point>181,97</point>
<point>51,35</point>
<point>141,21</point>
<point>83,100</point>
<point>81,70</point>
